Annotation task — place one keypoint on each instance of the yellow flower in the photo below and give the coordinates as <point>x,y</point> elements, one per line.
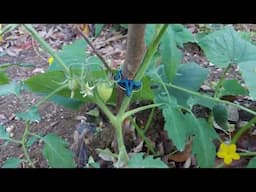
<point>228,153</point>
<point>50,60</point>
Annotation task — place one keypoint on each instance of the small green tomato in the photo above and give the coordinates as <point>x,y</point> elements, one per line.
<point>104,90</point>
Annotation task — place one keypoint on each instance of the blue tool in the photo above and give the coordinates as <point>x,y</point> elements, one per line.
<point>126,84</point>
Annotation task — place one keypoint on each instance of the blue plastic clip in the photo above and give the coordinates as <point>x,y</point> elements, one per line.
<point>126,84</point>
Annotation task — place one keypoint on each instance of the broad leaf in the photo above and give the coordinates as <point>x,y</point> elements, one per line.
<point>137,161</point>
<point>252,163</point>
<point>226,47</point>
<point>220,115</point>
<point>203,147</point>
<point>182,34</point>
<point>11,88</point>
<point>66,102</point>
<point>176,126</point>
<point>31,141</point>
<point>248,71</point>
<point>31,115</point>
<point>189,76</point>
<point>171,55</point>
<point>232,87</point>
<point>3,133</point>
<point>3,78</point>
<point>149,33</point>
<point>56,152</point>
<point>12,163</point>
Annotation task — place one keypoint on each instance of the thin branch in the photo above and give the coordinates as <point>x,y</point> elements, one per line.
<point>93,48</point>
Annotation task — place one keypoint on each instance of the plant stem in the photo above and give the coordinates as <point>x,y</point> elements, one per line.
<point>149,120</point>
<point>141,134</point>
<point>46,46</point>
<point>247,154</point>
<point>51,94</point>
<point>221,165</point>
<point>24,144</point>
<point>211,98</point>
<point>220,83</point>
<point>242,130</point>
<point>144,65</point>
<point>136,110</point>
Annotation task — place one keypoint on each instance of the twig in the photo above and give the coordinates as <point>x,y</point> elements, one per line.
<point>93,48</point>
<point>36,51</point>
<point>112,39</point>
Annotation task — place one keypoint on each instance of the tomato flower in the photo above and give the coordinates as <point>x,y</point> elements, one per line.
<point>86,90</point>
<point>228,153</point>
<point>50,60</point>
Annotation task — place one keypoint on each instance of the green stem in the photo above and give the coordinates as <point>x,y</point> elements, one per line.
<point>247,154</point>
<point>136,110</point>
<point>24,144</point>
<point>51,94</point>
<point>46,46</point>
<point>105,109</point>
<point>220,83</point>
<point>149,120</point>
<point>13,140</point>
<point>243,129</point>
<point>144,65</point>
<point>211,98</point>
<point>123,157</point>
<point>141,134</point>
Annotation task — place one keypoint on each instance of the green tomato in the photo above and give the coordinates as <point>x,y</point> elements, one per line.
<point>104,90</point>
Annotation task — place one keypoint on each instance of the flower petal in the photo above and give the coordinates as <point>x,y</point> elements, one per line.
<point>232,148</point>
<point>227,159</point>
<point>235,156</point>
<point>221,154</point>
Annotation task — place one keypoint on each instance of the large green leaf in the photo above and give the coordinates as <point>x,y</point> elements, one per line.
<point>176,126</point>
<point>11,88</point>
<point>226,47</point>
<point>149,33</point>
<point>171,55</point>
<point>3,133</point>
<point>190,76</point>
<point>74,55</point>
<point>252,163</point>
<point>203,147</point>
<point>182,34</point>
<point>56,152</point>
<point>220,115</point>
<point>232,87</point>
<point>137,161</point>
<point>31,115</point>
<point>67,102</point>
<point>12,163</point>
<point>3,78</point>
<point>248,71</point>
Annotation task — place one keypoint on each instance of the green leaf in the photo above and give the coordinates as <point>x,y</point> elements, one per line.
<point>190,76</point>
<point>11,88</point>
<point>203,147</point>
<point>66,102</point>
<point>182,34</point>
<point>248,71</point>
<point>3,133</point>
<point>31,115</point>
<point>145,92</point>
<point>233,87</point>
<point>252,163</point>
<point>31,140</point>
<point>74,55</point>
<point>124,26</point>
<point>56,152</point>
<point>226,47</point>
<point>12,163</point>
<point>220,115</point>
<point>98,29</point>
<point>176,126</point>
<point>171,55</point>
<point>137,161</point>
<point>149,33</point>
<point>3,78</point>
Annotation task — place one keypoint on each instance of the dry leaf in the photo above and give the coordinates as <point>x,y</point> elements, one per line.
<point>184,155</point>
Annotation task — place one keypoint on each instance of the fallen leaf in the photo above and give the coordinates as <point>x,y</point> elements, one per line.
<point>184,155</point>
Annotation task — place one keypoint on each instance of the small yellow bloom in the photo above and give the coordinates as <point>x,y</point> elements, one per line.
<point>50,60</point>
<point>228,153</point>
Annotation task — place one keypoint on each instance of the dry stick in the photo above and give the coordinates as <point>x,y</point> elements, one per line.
<point>93,48</point>
<point>115,38</point>
<point>37,52</point>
